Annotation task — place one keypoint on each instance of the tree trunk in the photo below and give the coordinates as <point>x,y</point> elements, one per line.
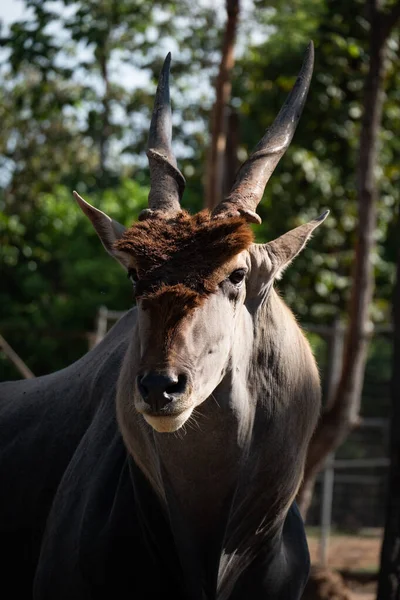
<point>341,415</point>
<point>231,162</point>
<point>104,132</point>
<point>216,154</point>
<point>389,576</point>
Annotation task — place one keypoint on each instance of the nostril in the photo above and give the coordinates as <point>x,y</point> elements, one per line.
<point>144,391</point>
<point>179,386</point>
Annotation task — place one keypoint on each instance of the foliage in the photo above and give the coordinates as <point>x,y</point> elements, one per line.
<point>57,275</point>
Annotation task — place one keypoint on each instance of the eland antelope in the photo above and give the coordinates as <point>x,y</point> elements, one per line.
<point>166,461</point>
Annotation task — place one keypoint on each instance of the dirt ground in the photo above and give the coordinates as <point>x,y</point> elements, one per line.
<point>357,557</point>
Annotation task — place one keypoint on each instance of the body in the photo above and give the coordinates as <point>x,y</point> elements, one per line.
<point>166,461</point>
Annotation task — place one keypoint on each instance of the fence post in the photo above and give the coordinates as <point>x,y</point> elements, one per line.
<point>326,509</point>
<point>101,326</point>
<point>13,356</point>
<point>334,360</point>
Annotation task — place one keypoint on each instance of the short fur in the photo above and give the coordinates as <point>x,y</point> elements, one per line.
<point>168,306</point>
<point>186,250</point>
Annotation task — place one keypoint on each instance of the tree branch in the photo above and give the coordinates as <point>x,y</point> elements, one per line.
<point>216,154</point>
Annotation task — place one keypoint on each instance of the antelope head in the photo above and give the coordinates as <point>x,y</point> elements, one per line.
<point>198,280</point>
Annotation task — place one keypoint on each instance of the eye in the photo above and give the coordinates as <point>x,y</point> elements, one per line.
<point>237,276</point>
<point>133,276</point>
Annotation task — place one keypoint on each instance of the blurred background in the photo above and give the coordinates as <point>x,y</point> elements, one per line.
<point>77,83</point>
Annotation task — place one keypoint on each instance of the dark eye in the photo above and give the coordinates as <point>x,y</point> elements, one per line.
<point>236,277</point>
<point>133,276</point>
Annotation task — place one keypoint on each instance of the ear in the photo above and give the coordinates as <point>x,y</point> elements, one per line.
<point>108,230</point>
<point>284,249</point>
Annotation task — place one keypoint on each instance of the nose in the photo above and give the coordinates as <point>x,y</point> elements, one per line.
<point>158,389</point>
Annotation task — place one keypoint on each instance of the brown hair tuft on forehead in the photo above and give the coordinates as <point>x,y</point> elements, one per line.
<point>184,250</point>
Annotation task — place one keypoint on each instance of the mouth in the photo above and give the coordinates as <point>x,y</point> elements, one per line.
<point>167,423</point>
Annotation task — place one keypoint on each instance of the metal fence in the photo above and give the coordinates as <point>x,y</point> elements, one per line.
<point>350,492</point>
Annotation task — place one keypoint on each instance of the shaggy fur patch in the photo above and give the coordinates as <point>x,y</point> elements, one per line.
<point>186,250</point>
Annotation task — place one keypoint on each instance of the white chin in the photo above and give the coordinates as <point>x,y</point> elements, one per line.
<point>168,424</point>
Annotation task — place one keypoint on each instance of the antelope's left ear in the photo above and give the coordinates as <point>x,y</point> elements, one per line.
<point>285,248</point>
<point>108,230</point>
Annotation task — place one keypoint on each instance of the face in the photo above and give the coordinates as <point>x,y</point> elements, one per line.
<point>185,344</point>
